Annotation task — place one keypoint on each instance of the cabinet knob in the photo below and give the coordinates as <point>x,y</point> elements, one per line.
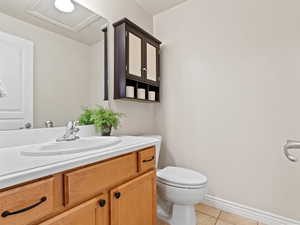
<point>102,203</point>
<point>144,69</point>
<point>117,195</point>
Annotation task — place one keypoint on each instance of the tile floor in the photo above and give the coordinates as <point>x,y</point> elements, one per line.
<point>211,216</point>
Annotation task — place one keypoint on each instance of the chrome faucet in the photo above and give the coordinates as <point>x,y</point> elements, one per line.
<point>71,132</point>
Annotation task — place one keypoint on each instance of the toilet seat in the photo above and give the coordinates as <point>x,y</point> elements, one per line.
<point>181,178</point>
<point>180,186</point>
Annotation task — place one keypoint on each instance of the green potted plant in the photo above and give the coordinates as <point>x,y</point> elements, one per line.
<point>103,119</point>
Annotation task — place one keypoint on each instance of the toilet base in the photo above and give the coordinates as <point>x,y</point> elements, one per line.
<point>180,214</point>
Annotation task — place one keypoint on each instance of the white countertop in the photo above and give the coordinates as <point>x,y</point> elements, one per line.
<point>16,168</point>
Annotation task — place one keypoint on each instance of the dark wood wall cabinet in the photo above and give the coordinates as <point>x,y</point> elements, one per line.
<point>137,62</point>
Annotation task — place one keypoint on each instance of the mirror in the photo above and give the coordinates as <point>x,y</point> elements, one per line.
<point>52,62</point>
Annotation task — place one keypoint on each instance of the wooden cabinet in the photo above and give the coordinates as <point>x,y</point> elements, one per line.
<point>143,56</point>
<point>134,203</point>
<point>117,191</point>
<point>146,159</point>
<point>137,55</point>
<point>92,212</point>
<point>26,204</point>
<point>88,182</point>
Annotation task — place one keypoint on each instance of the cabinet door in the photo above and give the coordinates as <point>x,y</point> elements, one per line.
<point>134,203</point>
<point>152,62</point>
<point>92,212</point>
<point>134,55</point>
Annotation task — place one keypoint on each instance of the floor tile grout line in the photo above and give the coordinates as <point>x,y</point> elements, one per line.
<point>211,216</point>
<point>216,222</point>
<point>205,213</point>
<point>218,217</point>
<point>255,221</point>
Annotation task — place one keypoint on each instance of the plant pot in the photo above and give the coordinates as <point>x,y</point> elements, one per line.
<point>106,131</point>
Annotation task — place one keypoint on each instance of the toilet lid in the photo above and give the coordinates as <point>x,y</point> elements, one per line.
<point>181,176</point>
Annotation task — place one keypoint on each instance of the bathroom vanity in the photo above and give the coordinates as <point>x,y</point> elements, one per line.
<point>116,186</point>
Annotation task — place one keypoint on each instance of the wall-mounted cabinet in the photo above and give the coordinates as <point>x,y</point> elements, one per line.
<point>137,62</point>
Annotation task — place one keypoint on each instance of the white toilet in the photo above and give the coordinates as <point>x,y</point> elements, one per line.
<point>179,190</point>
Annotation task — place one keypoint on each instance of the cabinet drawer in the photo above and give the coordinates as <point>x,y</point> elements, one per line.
<point>26,204</point>
<point>146,159</point>
<point>85,183</point>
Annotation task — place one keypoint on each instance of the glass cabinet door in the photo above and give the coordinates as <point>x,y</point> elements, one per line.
<point>151,63</point>
<point>135,55</point>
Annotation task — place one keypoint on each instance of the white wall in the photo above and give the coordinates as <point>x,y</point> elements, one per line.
<point>140,117</point>
<point>230,93</point>
<point>61,72</point>
<point>96,74</point>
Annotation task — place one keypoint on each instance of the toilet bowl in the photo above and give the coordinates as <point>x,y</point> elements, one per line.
<point>179,190</point>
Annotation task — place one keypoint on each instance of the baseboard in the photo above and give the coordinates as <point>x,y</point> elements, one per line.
<point>248,212</point>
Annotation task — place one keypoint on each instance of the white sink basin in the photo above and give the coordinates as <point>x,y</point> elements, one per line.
<point>71,147</point>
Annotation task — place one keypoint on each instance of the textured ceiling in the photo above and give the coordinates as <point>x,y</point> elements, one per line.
<point>81,25</point>
<point>156,6</point>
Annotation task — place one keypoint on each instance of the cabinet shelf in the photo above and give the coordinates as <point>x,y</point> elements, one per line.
<point>137,61</point>
<point>138,100</point>
<point>134,78</point>
<point>148,87</point>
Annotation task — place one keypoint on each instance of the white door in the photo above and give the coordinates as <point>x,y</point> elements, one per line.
<point>16,75</point>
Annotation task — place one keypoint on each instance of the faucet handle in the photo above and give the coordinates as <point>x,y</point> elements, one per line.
<point>76,123</point>
<point>76,129</point>
<point>72,124</point>
<point>49,124</point>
